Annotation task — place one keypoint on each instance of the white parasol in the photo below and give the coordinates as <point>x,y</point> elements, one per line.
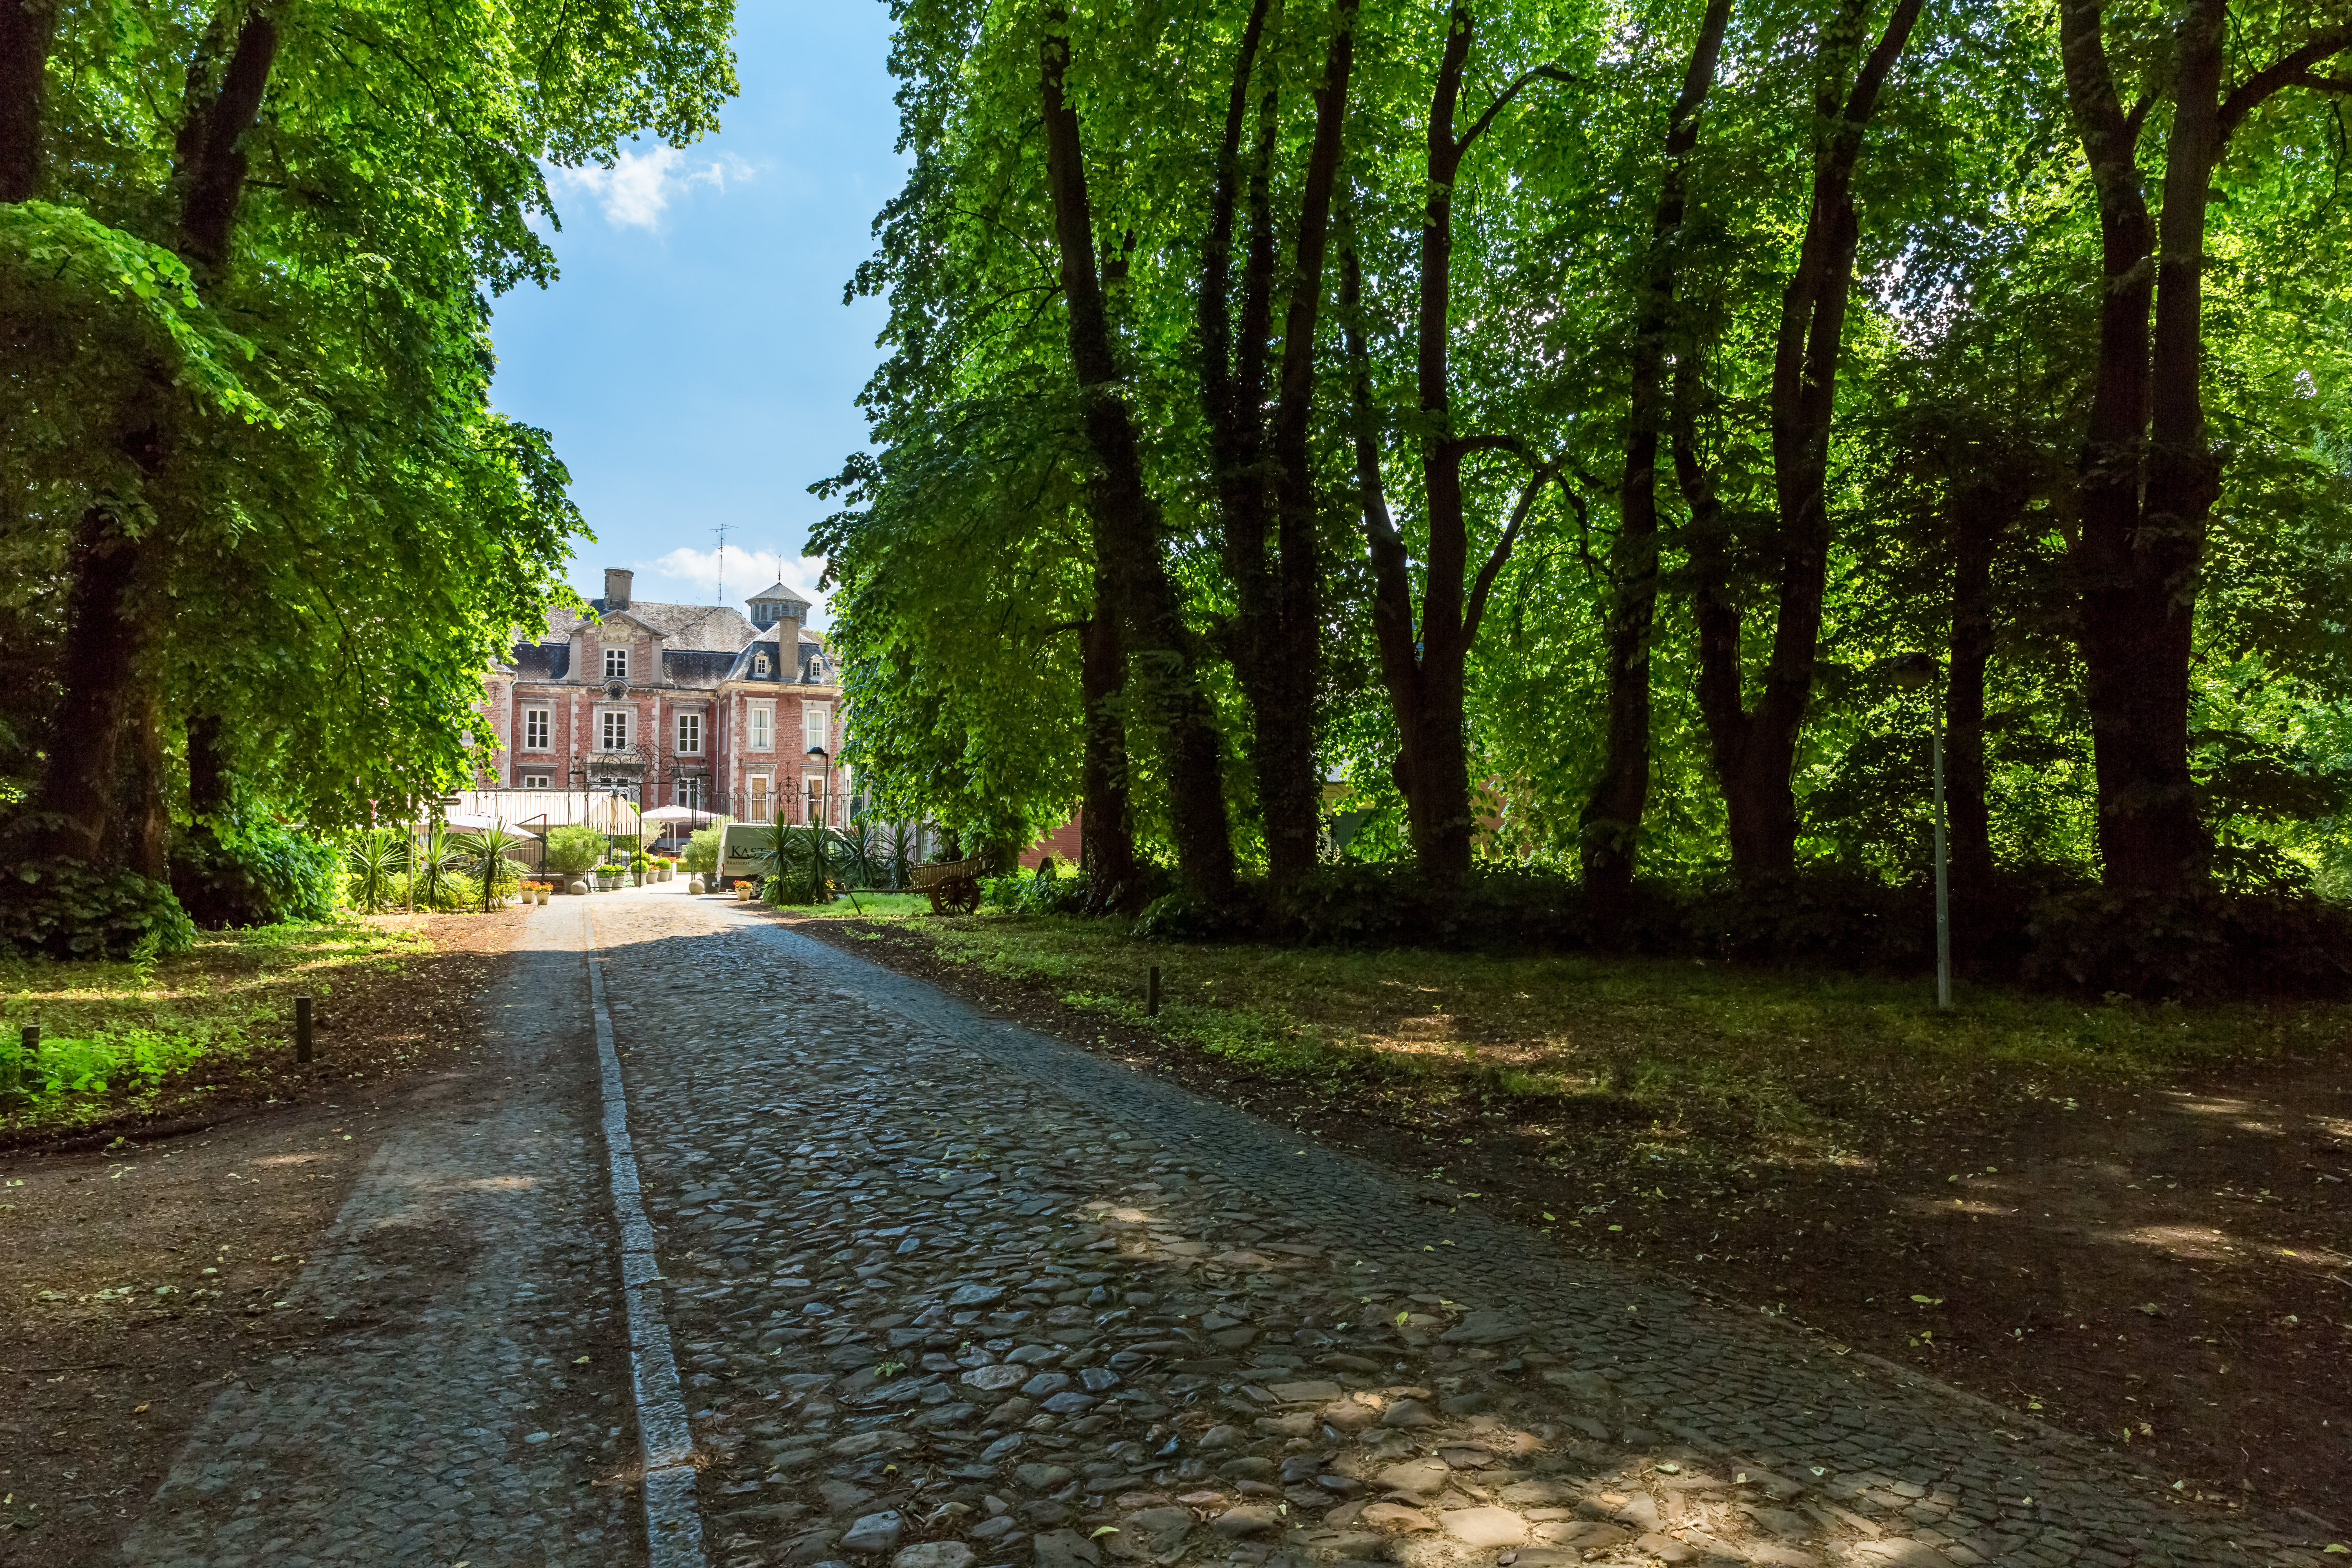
<point>679,814</point>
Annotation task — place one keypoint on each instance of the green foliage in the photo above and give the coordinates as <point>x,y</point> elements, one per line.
<point>962,551</point>
<point>701,853</point>
<point>801,861</point>
<point>432,865</point>
<point>375,859</point>
<point>572,848</point>
<point>66,908</point>
<point>489,853</point>
<point>2192,947</point>
<point>1044,891</point>
<point>247,868</point>
<point>291,422</point>
<point>159,1035</point>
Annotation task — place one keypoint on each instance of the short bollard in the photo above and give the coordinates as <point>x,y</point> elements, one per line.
<point>1151,995</point>
<point>302,1029</point>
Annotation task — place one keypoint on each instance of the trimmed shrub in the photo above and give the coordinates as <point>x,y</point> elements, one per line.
<point>251,870</point>
<point>1044,891</point>
<point>571,849</point>
<point>701,853</point>
<point>2190,946</point>
<point>66,909</point>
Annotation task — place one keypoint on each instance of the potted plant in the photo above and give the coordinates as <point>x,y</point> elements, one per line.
<point>638,866</point>
<point>742,892</point>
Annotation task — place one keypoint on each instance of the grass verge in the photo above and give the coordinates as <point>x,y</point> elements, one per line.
<point>1800,1062</point>
<point>131,1039</point>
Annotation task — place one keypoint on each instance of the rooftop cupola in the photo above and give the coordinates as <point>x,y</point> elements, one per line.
<point>777,603</point>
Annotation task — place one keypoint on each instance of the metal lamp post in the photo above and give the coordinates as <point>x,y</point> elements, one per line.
<point>1919,671</point>
<point>824,785</point>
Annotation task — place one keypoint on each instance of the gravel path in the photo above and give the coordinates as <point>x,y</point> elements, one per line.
<point>945,1293</point>
<point>437,1413</point>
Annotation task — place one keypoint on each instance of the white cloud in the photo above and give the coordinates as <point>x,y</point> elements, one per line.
<point>637,190</point>
<point>689,576</point>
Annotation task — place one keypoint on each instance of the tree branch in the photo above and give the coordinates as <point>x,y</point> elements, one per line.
<point>1544,474</point>
<point>2287,71</point>
<point>1519,83</point>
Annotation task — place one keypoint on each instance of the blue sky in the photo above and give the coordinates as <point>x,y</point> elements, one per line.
<point>695,362</point>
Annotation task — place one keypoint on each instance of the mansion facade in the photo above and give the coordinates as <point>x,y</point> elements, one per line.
<point>691,705</point>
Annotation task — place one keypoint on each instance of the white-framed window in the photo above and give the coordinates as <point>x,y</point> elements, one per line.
<point>616,664</point>
<point>531,781</point>
<point>535,728</point>
<point>690,734</point>
<point>760,664</point>
<point>612,730</point>
<point>689,794</point>
<point>763,728</point>
<point>816,724</point>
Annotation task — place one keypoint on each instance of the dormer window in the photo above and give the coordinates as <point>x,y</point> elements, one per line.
<point>616,664</point>
<point>760,664</point>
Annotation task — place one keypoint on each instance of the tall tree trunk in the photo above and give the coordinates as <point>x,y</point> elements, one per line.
<point>1290,781</point>
<point>210,789</point>
<point>113,811</point>
<point>1162,661</point>
<point>1610,832</point>
<point>1106,835</point>
<point>1982,511</point>
<point>99,658</point>
<point>2148,476</point>
<point>142,823</point>
<point>26,29</point>
<point>1425,668</point>
<point>1277,635</point>
<point>1755,749</point>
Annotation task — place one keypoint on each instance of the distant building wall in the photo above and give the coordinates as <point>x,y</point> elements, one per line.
<point>1062,844</point>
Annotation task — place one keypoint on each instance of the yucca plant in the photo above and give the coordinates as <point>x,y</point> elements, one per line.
<point>860,854</point>
<point>374,859</point>
<point>902,857</point>
<point>491,851</point>
<point>433,864</point>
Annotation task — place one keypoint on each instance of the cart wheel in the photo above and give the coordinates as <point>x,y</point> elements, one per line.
<point>967,898</point>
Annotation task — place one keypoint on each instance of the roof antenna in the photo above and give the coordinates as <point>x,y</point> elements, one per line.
<point>723,563</point>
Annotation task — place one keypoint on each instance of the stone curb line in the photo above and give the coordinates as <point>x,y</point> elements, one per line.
<point>673,1521</point>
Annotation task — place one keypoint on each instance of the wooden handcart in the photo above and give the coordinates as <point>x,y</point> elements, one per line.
<point>954,885</point>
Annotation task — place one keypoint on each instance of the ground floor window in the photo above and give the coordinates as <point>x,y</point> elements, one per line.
<point>690,793</point>
<point>533,780</point>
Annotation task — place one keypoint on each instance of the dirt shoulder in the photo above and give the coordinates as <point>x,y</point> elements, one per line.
<point>2162,1268</point>
<point>143,1274</point>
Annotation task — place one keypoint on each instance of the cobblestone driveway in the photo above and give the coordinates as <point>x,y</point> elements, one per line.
<point>429,1407</point>
<point>945,1293</point>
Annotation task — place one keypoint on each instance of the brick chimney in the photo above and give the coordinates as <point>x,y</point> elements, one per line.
<point>616,588</point>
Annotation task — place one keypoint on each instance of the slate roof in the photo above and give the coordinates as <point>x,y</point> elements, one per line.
<point>781,673</point>
<point>715,627</point>
<point>778,591</point>
<point>543,661</point>
<point>696,666</point>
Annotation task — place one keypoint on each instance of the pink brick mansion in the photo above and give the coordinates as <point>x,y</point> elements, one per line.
<point>690,705</point>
